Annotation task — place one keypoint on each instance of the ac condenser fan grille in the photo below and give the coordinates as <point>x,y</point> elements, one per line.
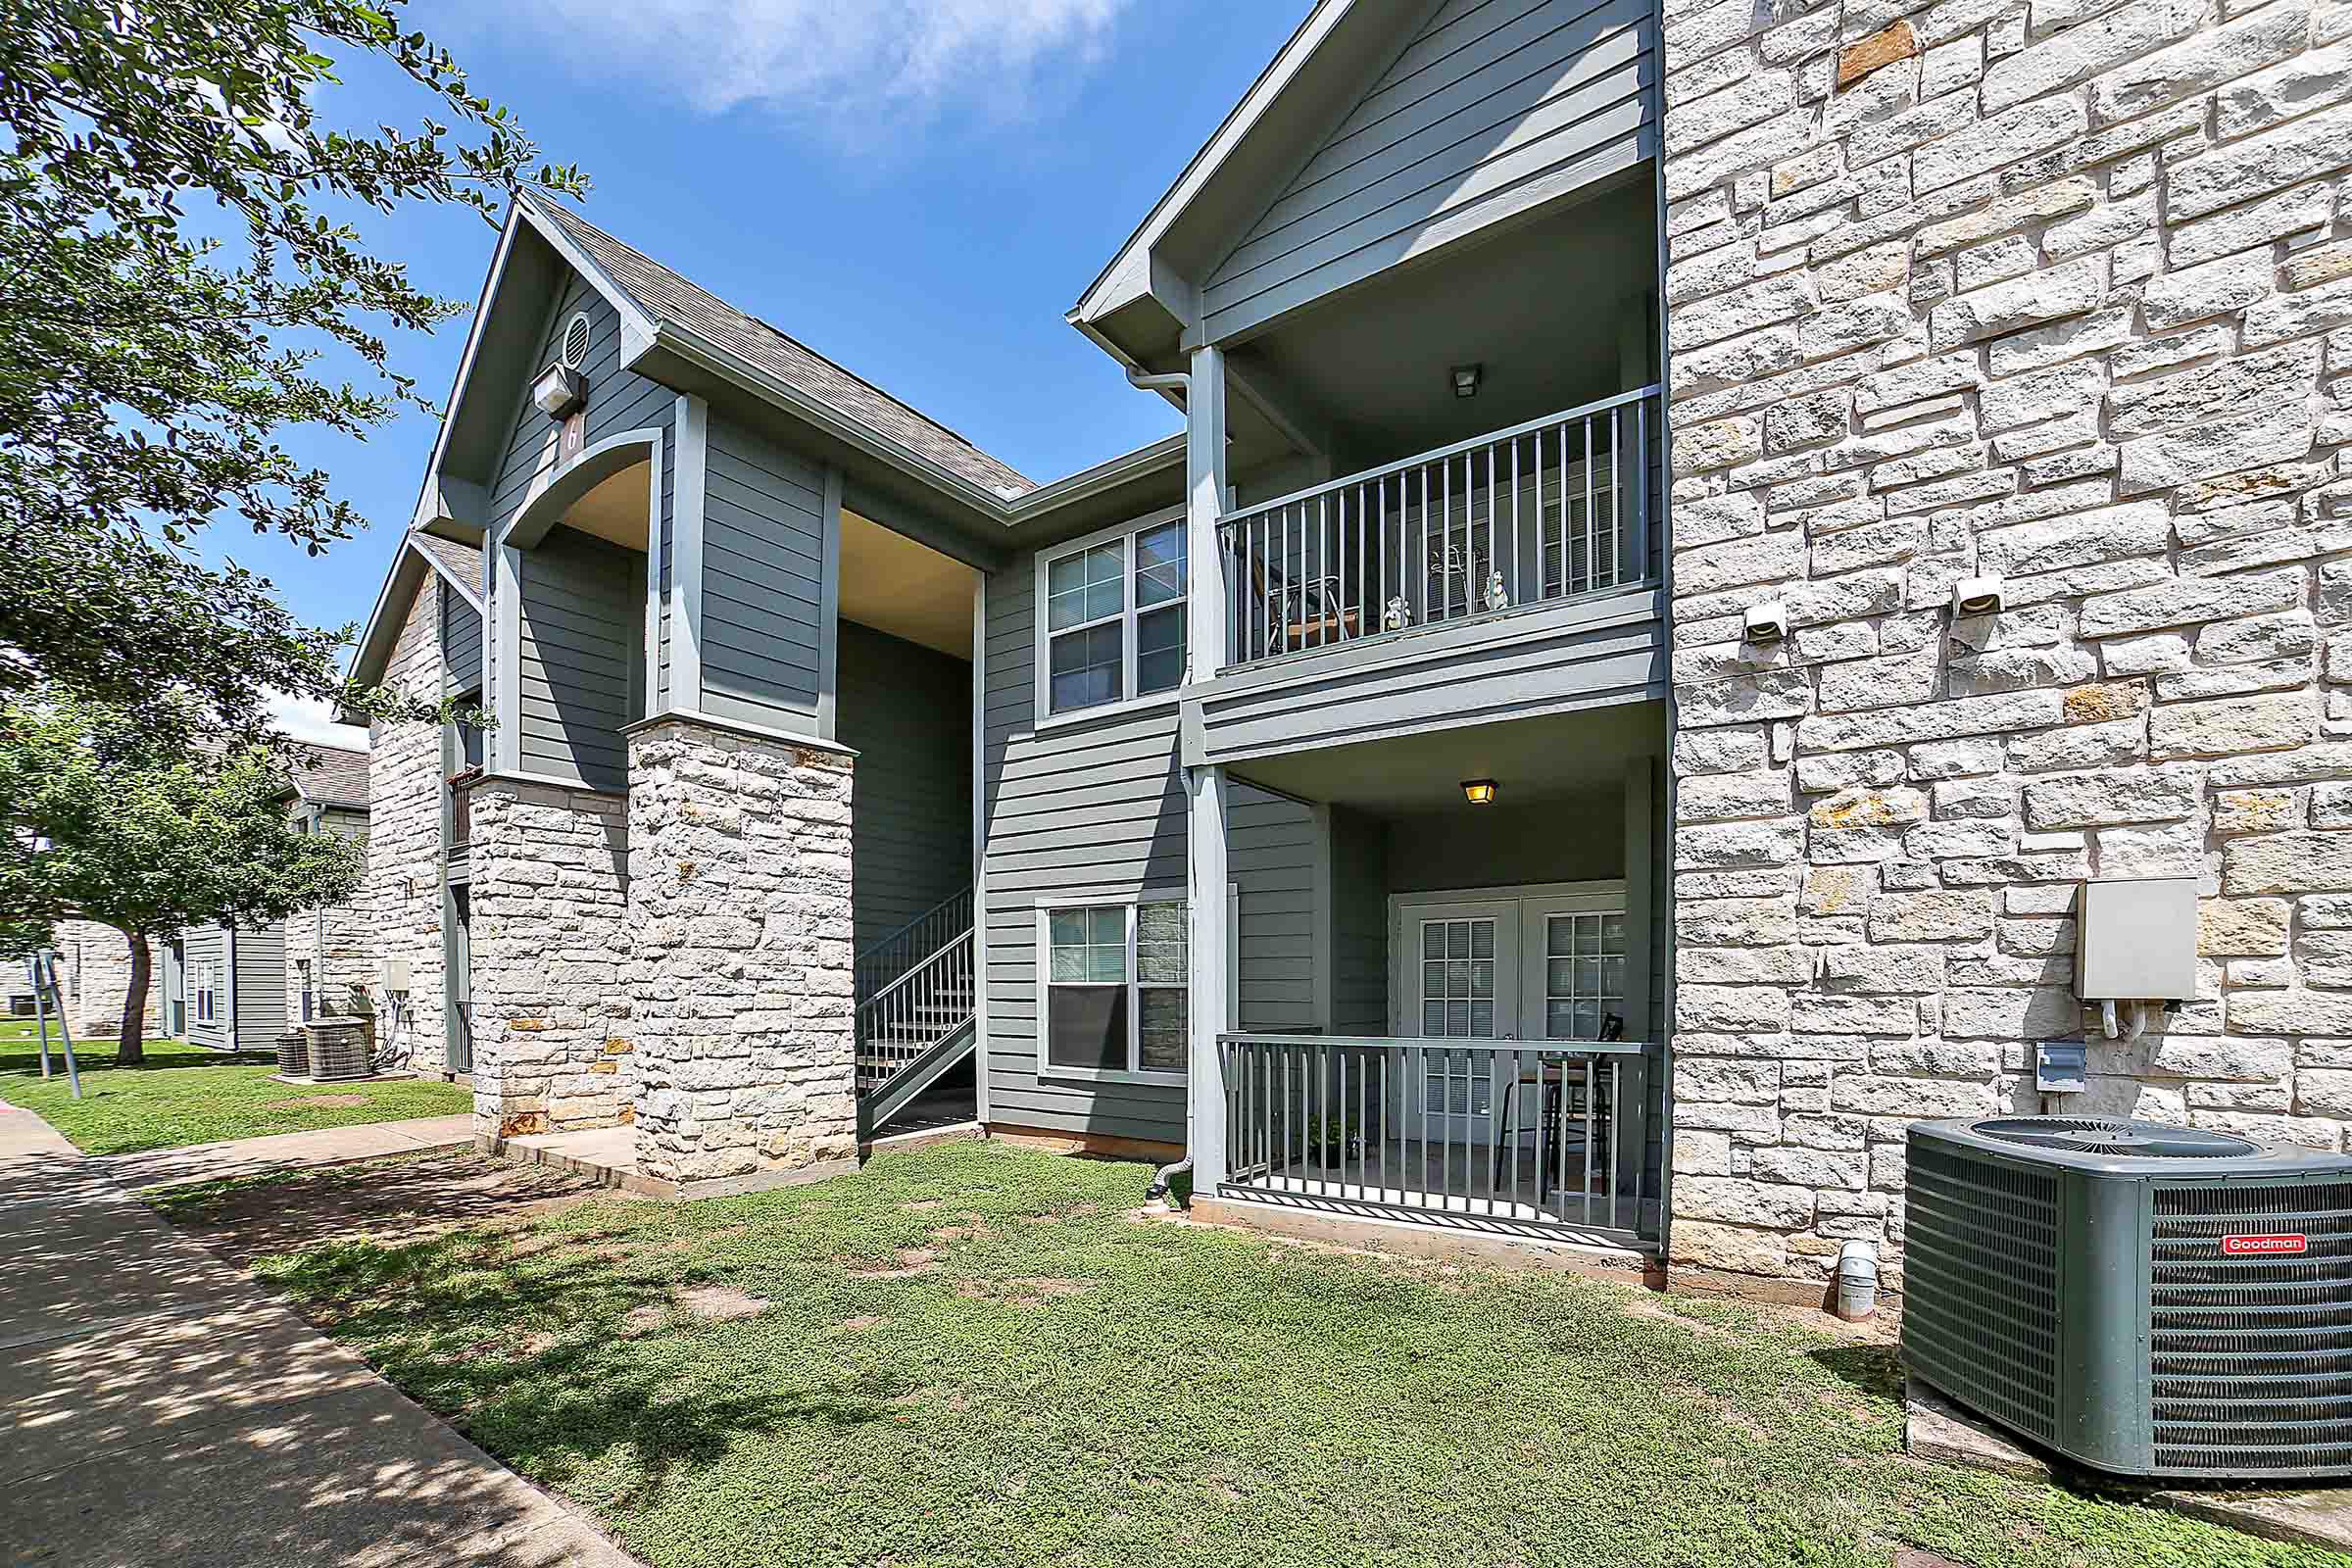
<point>2250,1327</point>
<point>2108,1135</point>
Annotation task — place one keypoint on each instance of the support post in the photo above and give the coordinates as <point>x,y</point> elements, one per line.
<point>1211,986</point>
<point>1204,788</point>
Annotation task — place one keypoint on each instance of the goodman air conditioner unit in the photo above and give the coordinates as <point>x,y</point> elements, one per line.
<point>2147,1300</point>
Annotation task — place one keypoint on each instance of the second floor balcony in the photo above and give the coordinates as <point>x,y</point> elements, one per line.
<point>1510,573</point>
<point>1553,510</point>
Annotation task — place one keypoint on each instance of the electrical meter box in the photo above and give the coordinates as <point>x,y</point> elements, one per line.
<point>395,973</point>
<point>2137,940</point>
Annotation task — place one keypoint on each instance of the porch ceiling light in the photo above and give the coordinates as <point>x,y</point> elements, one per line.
<point>1466,378</point>
<point>1479,791</point>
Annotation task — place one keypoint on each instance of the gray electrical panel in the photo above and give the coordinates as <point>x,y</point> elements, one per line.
<point>2137,940</point>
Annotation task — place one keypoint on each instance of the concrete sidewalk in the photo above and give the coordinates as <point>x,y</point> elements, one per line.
<point>157,1408</point>
<point>249,1156</point>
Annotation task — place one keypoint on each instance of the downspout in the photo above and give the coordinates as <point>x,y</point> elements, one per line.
<point>1163,1180</point>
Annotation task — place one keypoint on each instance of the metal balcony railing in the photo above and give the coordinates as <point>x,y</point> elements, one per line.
<point>1546,1138</point>
<point>1546,511</point>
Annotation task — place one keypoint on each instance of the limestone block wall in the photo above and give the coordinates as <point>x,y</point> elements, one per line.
<point>2054,289</point>
<point>550,958</point>
<point>95,960</point>
<point>401,904</point>
<point>739,890</point>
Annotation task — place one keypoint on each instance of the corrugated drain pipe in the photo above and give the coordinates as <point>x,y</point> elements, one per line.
<point>1163,1180</point>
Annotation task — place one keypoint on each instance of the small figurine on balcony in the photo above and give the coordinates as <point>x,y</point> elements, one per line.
<point>1399,615</point>
<point>1497,596</point>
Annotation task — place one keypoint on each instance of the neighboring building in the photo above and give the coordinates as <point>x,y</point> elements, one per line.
<point>424,639</point>
<point>1315,793</point>
<point>332,952</point>
<point>94,972</point>
<point>239,987</point>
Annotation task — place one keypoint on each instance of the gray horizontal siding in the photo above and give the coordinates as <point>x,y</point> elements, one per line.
<point>1579,654</point>
<point>260,986</point>
<point>583,631</point>
<point>1096,810</point>
<point>204,945</point>
<point>460,642</point>
<point>618,400</point>
<point>764,549</point>
<point>1359,924</point>
<point>902,708</point>
<point>1496,107</point>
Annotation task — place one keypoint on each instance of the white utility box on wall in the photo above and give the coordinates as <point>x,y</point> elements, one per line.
<point>2137,940</point>
<point>395,973</point>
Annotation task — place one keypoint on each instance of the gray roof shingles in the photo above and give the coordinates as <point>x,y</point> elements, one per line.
<point>667,296</point>
<point>330,775</point>
<point>462,561</point>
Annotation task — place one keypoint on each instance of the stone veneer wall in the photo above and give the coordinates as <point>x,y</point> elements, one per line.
<point>96,960</point>
<point>550,958</point>
<point>2059,290</point>
<point>402,900</point>
<point>739,893</point>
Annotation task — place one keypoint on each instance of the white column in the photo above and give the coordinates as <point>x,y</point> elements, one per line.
<point>1205,786</point>
<point>1204,495</point>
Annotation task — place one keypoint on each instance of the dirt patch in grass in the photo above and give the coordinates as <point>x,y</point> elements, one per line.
<point>1031,1291</point>
<point>972,1231</point>
<point>317,1103</point>
<point>639,1321</point>
<point>859,1323</point>
<point>720,1303</point>
<point>912,1260</point>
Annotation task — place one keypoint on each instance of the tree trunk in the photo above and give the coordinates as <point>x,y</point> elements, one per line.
<point>133,1048</point>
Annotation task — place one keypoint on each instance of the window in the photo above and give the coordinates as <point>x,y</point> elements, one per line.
<point>205,982</point>
<point>1114,622</point>
<point>1117,980</point>
<point>1583,974</point>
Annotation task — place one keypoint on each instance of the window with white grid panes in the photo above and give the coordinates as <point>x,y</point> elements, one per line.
<point>1584,972</point>
<point>1457,979</point>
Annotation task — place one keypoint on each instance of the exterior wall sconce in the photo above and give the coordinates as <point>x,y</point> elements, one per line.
<point>560,391</point>
<point>1466,379</point>
<point>1479,791</point>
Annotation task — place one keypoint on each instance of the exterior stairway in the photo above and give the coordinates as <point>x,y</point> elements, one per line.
<point>917,991</point>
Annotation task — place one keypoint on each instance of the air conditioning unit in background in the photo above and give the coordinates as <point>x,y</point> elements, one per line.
<point>2147,1300</point>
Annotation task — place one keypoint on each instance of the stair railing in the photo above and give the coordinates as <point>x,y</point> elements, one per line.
<point>915,1011</point>
<point>885,959</point>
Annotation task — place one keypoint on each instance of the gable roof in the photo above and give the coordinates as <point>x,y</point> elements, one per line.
<point>330,775</point>
<point>667,296</point>
<point>458,564</point>
<point>1261,144</point>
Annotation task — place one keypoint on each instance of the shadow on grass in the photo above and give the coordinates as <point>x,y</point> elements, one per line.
<point>600,1394</point>
<point>1875,1369</point>
<point>92,1056</point>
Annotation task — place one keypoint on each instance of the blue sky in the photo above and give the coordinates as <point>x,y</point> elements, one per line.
<point>916,188</point>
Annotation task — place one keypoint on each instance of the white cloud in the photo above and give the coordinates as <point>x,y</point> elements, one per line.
<point>306,718</point>
<point>857,69</point>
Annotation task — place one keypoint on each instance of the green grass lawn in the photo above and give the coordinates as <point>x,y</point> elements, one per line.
<point>973,1354</point>
<point>183,1094</point>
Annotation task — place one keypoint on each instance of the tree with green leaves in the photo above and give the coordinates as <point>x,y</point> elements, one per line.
<point>174,260</point>
<point>103,818</point>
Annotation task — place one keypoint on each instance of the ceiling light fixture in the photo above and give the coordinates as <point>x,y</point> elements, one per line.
<point>1479,791</point>
<point>1466,378</point>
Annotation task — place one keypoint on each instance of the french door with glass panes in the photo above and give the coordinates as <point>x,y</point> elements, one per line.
<point>1458,962</point>
<point>1541,965</point>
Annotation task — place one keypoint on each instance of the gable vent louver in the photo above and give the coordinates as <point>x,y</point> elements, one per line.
<point>575,341</point>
